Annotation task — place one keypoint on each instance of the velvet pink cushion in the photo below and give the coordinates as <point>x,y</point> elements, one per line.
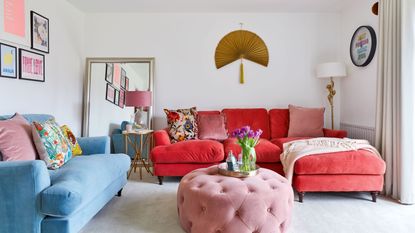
<point>306,122</point>
<point>212,127</point>
<point>16,142</point>
<point>209,202</point>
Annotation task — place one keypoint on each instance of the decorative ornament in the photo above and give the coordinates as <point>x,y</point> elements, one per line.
<point>363,46</point>
<point>239,45</point>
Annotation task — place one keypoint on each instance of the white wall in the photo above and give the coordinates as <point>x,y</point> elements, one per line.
<point>61,94</point>
<point>358,91</point>
<point>184,46</point>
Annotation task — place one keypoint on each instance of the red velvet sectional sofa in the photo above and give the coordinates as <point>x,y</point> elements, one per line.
<point>342,171</point>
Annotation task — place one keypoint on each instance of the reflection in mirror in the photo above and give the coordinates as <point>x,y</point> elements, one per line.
<point>111,101</point>
<point>108,84</point>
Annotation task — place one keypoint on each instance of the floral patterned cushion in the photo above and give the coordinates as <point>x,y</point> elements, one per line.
<point>51,144</point>
<point>73,143</point>
<point>182,124</point>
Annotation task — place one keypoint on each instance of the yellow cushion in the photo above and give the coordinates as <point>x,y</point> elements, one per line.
<point>76,149</point>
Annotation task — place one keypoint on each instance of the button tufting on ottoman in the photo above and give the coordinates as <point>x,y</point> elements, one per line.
<point>208,202</point>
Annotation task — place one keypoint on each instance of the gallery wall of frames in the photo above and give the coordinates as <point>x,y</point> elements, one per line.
<point>24,61</point>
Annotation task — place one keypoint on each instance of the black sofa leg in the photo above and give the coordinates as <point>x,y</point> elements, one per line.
<point>301,196</point>
<point>119,193</point>
<point>160,180</point>
<point>374,196</point>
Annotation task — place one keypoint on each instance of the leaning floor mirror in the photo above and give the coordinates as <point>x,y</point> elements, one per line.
<point>118,95</point>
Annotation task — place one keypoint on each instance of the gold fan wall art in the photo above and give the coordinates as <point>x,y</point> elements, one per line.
<point>239,45</point>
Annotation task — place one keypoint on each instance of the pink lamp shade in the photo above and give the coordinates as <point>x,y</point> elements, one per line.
<point>138,98</point>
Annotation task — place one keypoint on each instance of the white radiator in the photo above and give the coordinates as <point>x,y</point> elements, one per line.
<point>359,132</point>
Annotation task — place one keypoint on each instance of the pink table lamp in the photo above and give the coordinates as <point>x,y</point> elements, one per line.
<point>138,100</point>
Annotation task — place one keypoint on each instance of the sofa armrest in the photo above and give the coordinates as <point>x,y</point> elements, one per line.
<point>161,138</point>
<point>21,183</point>
<point>95,145</point>
<point>335,133</point>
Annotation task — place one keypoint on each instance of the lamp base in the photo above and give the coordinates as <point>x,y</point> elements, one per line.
<point>139,122</point>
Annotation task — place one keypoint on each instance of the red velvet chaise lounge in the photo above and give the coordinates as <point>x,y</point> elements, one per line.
<point>342,171</point>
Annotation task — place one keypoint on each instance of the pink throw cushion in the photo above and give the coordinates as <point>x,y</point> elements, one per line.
<point>212,127</point>
<point>306,122</point>
<point>16,142</point>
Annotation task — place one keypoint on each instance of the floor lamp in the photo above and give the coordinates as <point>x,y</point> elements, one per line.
<point>331,70</point>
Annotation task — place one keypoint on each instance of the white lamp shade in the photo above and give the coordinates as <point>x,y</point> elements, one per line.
<point>331,69</point>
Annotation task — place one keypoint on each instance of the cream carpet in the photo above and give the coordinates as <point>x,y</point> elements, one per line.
<point>148,207</point>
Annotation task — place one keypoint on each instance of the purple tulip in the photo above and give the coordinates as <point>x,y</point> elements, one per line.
<point>245,129</point>
<point>258,133</point>
<point>251,134</point>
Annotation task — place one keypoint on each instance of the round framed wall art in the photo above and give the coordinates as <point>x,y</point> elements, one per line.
<point>363,46</point>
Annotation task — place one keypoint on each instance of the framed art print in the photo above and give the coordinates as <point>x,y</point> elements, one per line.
<point>8,61</point>
<point>123,76</point>
<point>110,93</point>
<point>32,66</point>
<point>127,83</point>
<point>363,46</point>
<point>116,80</point>
<point>117,97</point>
<point>121,102</point>
<point>39,32</point>
<point>108,72</point>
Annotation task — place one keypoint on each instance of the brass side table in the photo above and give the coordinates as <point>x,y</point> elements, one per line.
<point>138,146</point>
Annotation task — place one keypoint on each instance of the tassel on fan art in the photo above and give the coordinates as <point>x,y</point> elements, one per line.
<point>239,45</point>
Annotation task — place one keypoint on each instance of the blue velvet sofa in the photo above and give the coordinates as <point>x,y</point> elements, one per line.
<point>35,199</point>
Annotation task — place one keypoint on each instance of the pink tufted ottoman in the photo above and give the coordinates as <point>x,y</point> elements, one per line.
<point>211,203</point>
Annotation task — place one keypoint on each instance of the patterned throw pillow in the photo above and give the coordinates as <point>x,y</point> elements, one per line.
<point>51,144</point>
<point>182,124</point>
<point>73,143</point>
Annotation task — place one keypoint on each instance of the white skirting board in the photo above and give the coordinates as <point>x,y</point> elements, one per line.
<point>359,132</point>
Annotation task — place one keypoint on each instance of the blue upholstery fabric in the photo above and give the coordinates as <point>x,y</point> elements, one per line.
<point>95,145</point>
<point>77,220</point>
<point>30,117</point>
<point>21,183</point>
<point>81,187</point>
<point>74,186</point>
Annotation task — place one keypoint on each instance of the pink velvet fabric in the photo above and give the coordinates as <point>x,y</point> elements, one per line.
<point>16,142</point>
<point>212,126</point>
<point>306,122</point>
<point>208,202</point>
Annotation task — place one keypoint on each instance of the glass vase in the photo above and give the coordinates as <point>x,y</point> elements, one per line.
<point>248,159</point>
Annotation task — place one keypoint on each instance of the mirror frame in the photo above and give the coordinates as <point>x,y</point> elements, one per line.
<point>87,86</point>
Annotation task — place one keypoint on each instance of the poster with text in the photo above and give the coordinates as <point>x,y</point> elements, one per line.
<point>116,80</point>
<point>32,66</point>
<point>8,61</point>
<point>14,17</point>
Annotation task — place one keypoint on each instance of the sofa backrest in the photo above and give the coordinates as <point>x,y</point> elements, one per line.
<point>279,121</point>
<point>30,117</point>
<point>256,118</point>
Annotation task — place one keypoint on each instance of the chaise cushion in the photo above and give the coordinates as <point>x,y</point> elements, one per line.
<point>80,180</point>
<point>193,151</point>
<point>361,162</point>
<point>266,152</point>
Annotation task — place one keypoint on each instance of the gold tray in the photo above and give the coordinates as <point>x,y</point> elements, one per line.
<point>222,170</point>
